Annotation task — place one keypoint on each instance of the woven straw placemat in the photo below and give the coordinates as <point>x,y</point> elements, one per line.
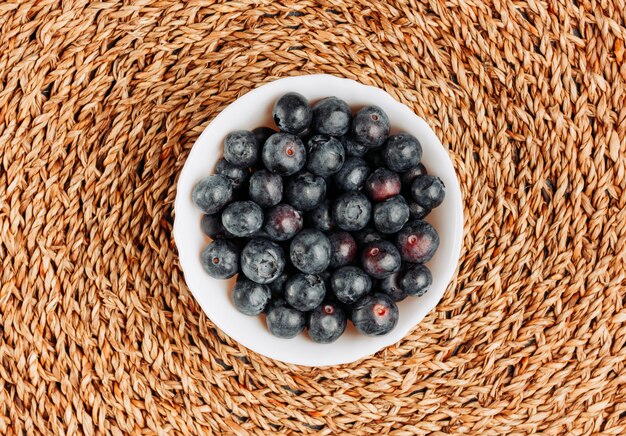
<point>100,103</point>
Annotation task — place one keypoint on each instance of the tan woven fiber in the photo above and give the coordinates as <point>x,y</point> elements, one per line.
<point>100,103</point>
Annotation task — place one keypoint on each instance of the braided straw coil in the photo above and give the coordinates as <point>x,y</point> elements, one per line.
<point>100,103</point>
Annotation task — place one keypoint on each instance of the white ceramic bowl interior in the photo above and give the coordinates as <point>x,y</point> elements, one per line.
<point>253,110</point>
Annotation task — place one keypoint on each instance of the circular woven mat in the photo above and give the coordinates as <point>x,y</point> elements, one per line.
<point>99,106</point>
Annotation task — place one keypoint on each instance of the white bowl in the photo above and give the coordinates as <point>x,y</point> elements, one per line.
<point>253,110</point>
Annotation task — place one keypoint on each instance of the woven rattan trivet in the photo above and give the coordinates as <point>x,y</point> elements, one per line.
<point>100,103</point>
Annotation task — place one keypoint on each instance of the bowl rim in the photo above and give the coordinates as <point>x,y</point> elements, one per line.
<point>454,191</point>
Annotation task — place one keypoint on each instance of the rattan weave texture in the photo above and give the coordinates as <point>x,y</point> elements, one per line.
<point>100,103</point>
